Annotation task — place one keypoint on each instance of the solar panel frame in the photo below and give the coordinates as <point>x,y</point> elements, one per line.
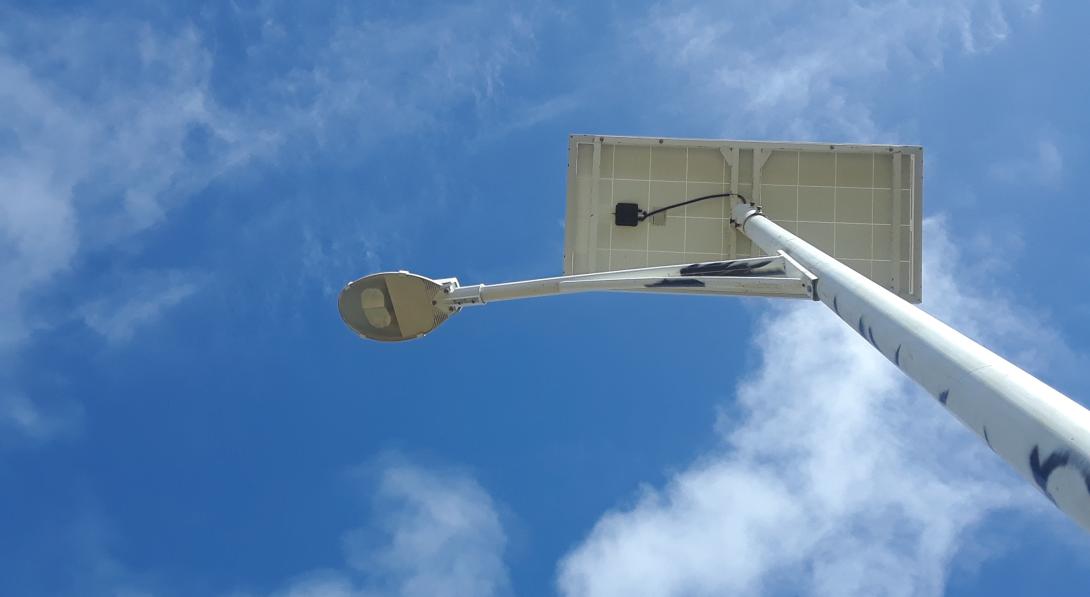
<point>658,171</point>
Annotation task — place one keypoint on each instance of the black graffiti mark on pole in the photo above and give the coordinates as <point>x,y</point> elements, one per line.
<point>836,309</point>
<point>738,268</point>
<point>897,356</point>
<point>944,396</point>
<point>676,283</point>
<point>868,334</point>
<point>1056,460</point>
<point>986,440</point>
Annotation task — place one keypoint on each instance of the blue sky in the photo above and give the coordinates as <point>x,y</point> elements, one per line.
<point>185,188</point>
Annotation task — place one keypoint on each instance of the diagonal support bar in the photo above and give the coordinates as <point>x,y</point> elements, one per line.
<point>777,276</point>
<point>737,286</point>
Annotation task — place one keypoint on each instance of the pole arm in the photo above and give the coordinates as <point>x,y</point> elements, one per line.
<point>1040,432</point>
<point>776,276</point>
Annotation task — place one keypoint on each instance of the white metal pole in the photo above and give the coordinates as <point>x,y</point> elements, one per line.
<point>1043,434</point>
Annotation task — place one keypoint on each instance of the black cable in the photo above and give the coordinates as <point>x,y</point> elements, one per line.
<point>647,214</point>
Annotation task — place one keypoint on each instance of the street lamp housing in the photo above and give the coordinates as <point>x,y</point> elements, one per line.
<point>392,306</point>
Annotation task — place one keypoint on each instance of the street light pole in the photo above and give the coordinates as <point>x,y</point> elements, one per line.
<point>1040,432</point>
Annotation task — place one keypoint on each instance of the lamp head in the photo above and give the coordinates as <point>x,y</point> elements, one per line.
<point>393,306</point>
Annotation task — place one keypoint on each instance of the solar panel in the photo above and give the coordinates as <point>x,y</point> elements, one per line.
<point>862,204</point>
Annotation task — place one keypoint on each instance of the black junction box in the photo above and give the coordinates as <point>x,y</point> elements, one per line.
<point>626,214</point>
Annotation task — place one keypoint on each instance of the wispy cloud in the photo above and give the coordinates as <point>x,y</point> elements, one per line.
<point>434,533</point>
<point>138,300</point>
<point>759,76</point>
<point>92,159</point>
<point>836,476</point>
<point>112,123</point>
<point>108,125</point>
<point>362,85</point>
<point>87,542</point>
<point>529,115</point>
<point>429,532</point>
<point>975,302</point>
<point>1041,162</point>
<point>35,420</point>
<point>367,79</point>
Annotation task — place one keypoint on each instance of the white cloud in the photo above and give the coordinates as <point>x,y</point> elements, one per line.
<point>86,541</point>
<point>109,124</point>
<point>836,476</point>
<point>102,139</point>
<point>431,532</point>
<point>760,72</point>
<point>370,79</point>
<point>435,533</point>
<point>976,302</point>
<point>362,85</point>
<point>33,420</point>
<point>138,300</point>
<point>1040,163</point>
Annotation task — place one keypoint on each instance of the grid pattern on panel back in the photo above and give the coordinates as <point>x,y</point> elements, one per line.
<point>839,201</point>
<point>838,198</point>
<point>654,177</point>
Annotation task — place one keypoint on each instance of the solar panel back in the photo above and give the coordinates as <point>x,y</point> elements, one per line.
<point>862,204</point>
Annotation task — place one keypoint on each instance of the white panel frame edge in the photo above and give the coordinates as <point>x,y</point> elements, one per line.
<point>1041,433</point>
